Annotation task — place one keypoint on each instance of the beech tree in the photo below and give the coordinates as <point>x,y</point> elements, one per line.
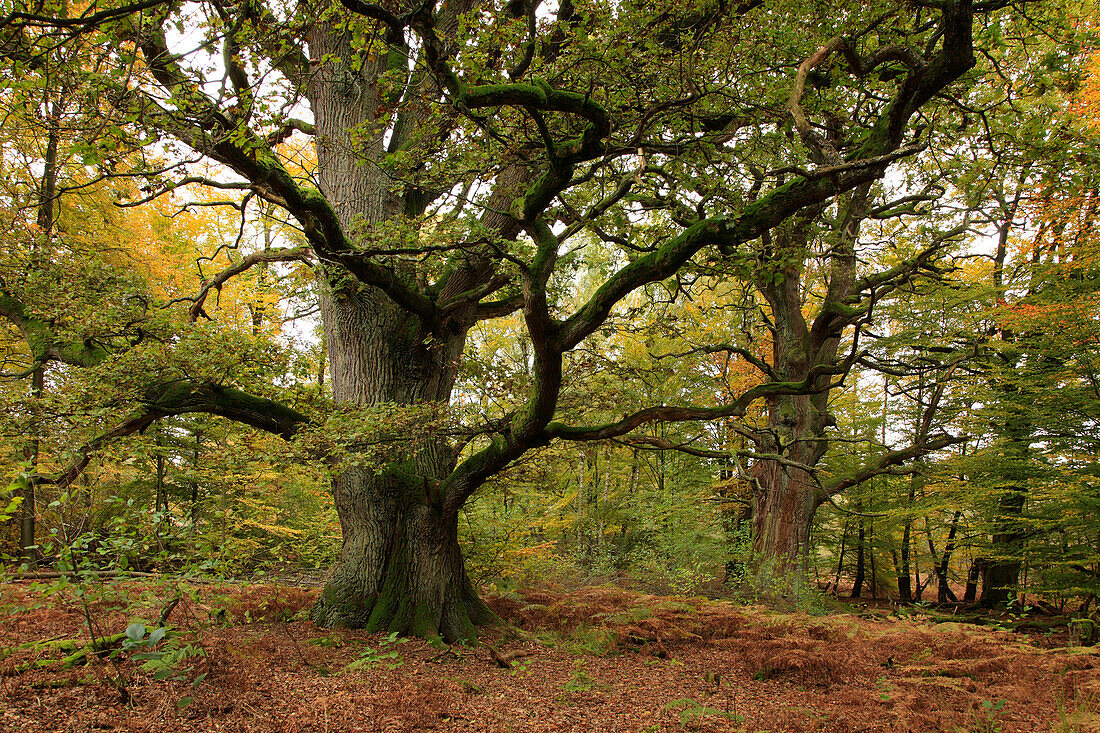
<point>465,152</point>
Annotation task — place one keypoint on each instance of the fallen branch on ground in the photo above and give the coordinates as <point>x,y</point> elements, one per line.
<point>81,652</point>
<point>504,661</point>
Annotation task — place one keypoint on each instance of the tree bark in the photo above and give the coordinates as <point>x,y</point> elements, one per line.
<point>786,494</point>
<point>972,577</point>
<point>1001,572</point>
<point>942,568</point>
<point>400,567</point>
<point>783,512</point>
<point>905,588</point>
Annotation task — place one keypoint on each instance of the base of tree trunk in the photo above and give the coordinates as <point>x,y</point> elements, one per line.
<point>405,575</point>
<point>399,607</point>
<point>1000,583</point>
<point>783,513</point>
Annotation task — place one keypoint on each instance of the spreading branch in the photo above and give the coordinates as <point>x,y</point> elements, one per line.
<point>180,399</point>
<point>295,254</point>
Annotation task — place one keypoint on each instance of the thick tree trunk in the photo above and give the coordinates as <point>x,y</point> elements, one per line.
<point>786,495</point>
<point>783,512</point>
<point>1000,579</point>
<point>400,567</point>
<point>1001,572</point>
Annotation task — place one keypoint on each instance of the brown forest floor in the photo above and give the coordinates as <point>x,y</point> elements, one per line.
<point>599,659</point>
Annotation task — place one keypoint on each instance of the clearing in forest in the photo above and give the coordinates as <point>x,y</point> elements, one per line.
<point>243,658</point>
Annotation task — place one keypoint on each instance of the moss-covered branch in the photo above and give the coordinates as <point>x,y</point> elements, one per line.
<point>43,341</point>
<point>181,398</point>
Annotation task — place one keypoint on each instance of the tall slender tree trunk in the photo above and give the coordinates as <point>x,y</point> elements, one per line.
<point>840,556</point>
<point>47,215</point>
<point>972,577</point>
<point>871,558</point>
<point>160,497</point>
<point>1001,570</point>
<point>27,515</point>
<point>861,567</point>
<point>905,588</point>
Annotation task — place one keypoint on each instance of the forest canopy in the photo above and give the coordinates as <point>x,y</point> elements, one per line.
<point>441,293</point>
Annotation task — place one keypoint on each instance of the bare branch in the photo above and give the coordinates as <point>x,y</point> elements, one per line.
<point>745,354</point>
<point>296,254</point>
<point>890,461</point>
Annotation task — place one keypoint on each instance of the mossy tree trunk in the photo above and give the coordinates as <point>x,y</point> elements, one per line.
<point>787,493</point>
<point>400,568</point>
<point>784,507</point>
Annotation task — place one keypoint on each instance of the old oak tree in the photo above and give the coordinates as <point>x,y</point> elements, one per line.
<point>466,153</point>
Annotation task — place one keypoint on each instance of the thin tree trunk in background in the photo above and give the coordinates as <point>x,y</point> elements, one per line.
<point>195,511</point>
<point>905,571</point>
<point>840,558</point>
<point>578,524</point>
<point>861,539</point>
<point>47,215</point>
<point>943,591</point>
<point>605,493</point>
<point>661,462</point>
<point>972,577</point>
<point>27,547</point>
<point>632,486</point>
<point>592,489</point>
<point>259,307</point>
<point>871,557</point>
<point>905,591</point>
<point>918,591</point>
<point>912,556</point>
<point>160,500</point>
